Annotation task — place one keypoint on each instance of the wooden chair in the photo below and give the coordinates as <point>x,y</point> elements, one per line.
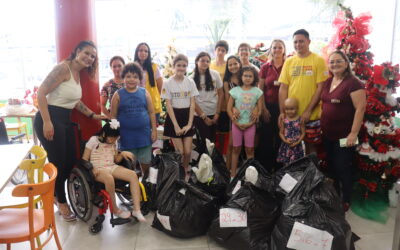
<point>26,224</point>
<point>19,127</point>
<point>34,170</point>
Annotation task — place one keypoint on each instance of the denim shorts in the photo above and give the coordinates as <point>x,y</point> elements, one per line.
<point>142,154</point>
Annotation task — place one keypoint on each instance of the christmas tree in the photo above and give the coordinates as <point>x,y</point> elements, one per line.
<point>379,151</point>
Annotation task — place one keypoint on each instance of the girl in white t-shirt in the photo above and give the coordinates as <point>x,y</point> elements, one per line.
<point>210,98</point>
<point>101,151</point>
<point>179,92</point>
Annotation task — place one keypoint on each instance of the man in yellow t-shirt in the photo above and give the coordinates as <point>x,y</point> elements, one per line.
<point>219,64</point>
<point>301,78</point>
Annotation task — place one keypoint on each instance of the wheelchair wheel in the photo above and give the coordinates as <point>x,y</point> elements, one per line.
<point>80,195</point>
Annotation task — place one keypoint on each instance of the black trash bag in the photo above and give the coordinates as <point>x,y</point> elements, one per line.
<point>312,214</point>
<point>217,186</point>
<point>296,170</point>
<point>264,181</point>
<point>164,170</point>
<point>327,197</point>
<point>235,238</point>
<point>189,211</point>
<point>304,188</point>
<point>170,169</point>
<point>262,212</point>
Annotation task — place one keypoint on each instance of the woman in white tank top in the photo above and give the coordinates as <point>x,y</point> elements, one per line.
<point>59,93</point>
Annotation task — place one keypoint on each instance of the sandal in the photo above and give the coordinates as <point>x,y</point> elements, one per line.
<point>139,216</point>
<point>65,212</point>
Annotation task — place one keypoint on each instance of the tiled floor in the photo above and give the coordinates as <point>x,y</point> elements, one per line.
<point>75,235</point>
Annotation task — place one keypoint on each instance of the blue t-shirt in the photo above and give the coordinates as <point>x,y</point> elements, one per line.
<point>134,119</point>
<point>245,101</point>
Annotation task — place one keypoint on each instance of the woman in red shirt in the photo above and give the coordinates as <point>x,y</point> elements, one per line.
<point>343,105</point>
<point>269,142</point>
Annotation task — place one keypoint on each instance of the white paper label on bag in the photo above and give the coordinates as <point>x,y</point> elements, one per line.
<point>194,155</point>
<point>304,237</point>
<point>153,173</point>
<point>158,144</point>
<point>164,220</point>
<point>287,183</point>
<point>237,187</point>
<point>232,217</point>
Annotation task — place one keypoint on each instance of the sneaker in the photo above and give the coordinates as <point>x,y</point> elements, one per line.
<point>139,216</point>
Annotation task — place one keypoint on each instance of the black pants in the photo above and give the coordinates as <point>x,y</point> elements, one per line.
<point>340,167</point>
<point>269,140</point>
<point>205,131</point>
<point>61,150</point>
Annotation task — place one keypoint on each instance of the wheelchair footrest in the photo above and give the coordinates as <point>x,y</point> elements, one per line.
<point>119,221</point>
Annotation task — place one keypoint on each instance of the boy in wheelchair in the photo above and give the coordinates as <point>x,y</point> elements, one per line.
<point>101,151</point>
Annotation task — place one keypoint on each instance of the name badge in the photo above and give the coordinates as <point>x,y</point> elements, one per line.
<point>308,73</point>
<point>335,101</point>
<point>276,83</point>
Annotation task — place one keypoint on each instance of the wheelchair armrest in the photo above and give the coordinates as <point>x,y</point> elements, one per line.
<point>132,165</point>
<point>86,164</point>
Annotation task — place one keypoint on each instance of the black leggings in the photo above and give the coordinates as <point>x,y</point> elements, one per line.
<point>340,167</point>
<point>269,140</point>
<point>61,150</point>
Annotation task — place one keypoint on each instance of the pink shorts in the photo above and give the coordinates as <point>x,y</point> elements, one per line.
<point>248,135</point>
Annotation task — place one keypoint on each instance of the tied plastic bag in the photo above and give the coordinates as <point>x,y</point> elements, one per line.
<point>314,202</point>
<point>164,170</point>
<point>210,146</point>
<point>186,211</point>
<point>215,186</point>
<point>313,215</point>
<point>295,170</point>
<point>169,170</point>
<point>262,211</point>
<point>204,172</point>
<point>264,180</point>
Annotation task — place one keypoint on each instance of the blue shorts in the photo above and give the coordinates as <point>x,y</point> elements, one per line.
<point>143,155</point>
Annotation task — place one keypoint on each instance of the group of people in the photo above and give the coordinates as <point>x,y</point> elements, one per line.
<point>274,111</point>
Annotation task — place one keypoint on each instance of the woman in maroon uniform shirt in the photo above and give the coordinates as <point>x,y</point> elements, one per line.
<point>343,105</point>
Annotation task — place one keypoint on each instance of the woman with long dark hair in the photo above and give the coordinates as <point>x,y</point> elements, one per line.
<point>209,100</point>
<point>152,79</point>
<point>58,95</point>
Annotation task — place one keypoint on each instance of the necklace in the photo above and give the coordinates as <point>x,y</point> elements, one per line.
<point>335,83</point>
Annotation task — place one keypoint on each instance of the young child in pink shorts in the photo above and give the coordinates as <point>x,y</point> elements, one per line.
<point>244,98</point>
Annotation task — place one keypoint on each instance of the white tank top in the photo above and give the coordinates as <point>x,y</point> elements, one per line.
<point>67,94</point>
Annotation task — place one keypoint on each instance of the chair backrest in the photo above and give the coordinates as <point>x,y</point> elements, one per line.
<point>30,165</point>
<point>3,132</point>
<point>44,189</point>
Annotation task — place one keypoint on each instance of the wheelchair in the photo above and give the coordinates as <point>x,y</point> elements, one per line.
<point>85,193</point>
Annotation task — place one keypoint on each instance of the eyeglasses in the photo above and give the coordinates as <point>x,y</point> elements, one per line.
<point>336,62</point>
